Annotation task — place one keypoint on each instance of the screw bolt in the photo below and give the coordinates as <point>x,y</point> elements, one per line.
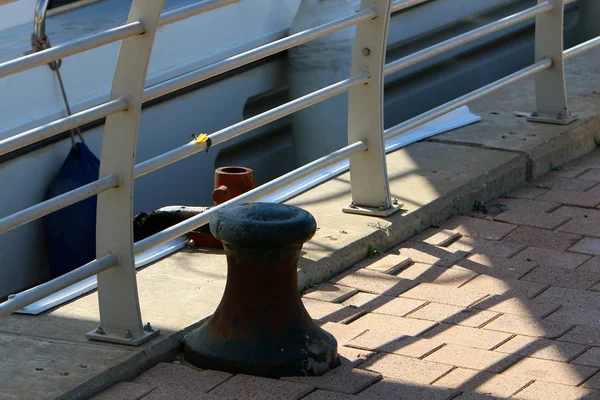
<point>395,201</point>
<point>353,205</point>
<point>366,51</point>
<point>100,331</point>
<point>148,327</point>
<point>128,335</point>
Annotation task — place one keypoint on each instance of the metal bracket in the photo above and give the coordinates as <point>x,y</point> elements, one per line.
<point>373,212</point>
<point>551,119</point>
<point>120,337</point>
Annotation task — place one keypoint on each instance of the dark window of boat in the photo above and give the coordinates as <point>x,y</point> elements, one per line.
<point>60,3</point>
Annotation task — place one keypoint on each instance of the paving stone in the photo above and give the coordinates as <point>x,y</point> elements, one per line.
<point>438,275</point>
<point>437,237</point>
<point>386,264</point>
<point>323,311</point>
<point>180,381</point>
<point>526,193</point>
<point>477,396</point>
<point>427,254</point>
<point>582,334</point>
<point>538,220</point>
<point>471,337</point>
<point>550,371</point>
<point>393,326</point>
<point>576,316</point>
<point>246,387</point>
<point>526,205</point>
<point>329,292</point>
<point>562,183</point>
<point>499,267</point>
<point>577,212</point>
<point>537,237</point>
<point>587,246</point>
<point>581,226</point>
<point>582,199</point>
<point>506,286</point>
<point>593,382</point>
<point>373,282</point>
<point>528,326</point>
<point>571,297</point>
<point>517,306</point>
<point>566,172</point>
<point>384,304</point>
<point>406,369</point>
<point>590,160</point>
<point>342,379</point>
<point>487,247</point>
<point>353,357</point>
<point>343,333</point>
<point>383,341</point>
<point>453,315</point>
<point>326,395</point>
<point>590,357</point>
<point>551,258</point>
<point>124,391</point>
<point>592,265</point>
<point>479,228</point>
<point>388,389</point>
<point>483,383</point>
<point>551,391</point>
<point>562,277</point>
<point>468,357</point>
<point>444,294</point>
<point>541,348</point>
<point>591,175</point>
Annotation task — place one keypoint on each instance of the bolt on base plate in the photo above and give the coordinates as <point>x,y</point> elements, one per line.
<point>373,211</point>
<point>126,338</point>
<point>547,119</point>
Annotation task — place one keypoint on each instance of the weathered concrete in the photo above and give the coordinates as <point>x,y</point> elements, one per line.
<point>547,146</point>
<point>435,179</point>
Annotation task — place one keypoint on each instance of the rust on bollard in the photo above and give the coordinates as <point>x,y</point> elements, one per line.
<point>231,182</point>
<point>261,326</point>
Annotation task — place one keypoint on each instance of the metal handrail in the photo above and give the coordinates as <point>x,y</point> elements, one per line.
<point>124,108</point>
<point>39,19</point>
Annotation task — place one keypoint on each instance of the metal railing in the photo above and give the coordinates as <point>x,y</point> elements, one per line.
<point>120,318</point>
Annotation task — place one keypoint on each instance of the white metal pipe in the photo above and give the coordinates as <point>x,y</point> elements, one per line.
<point>402,4</point>
<point>465,38</point>
<point>582,48</point>
<point>53,128</point>
<point>193,9</point>
<point>463,100</point>
<point>256,54</point>
<point>37,293</point>
<point>247,125</point>
<point>64,50</point>
<point>193,223</point>
<point>56,203</point>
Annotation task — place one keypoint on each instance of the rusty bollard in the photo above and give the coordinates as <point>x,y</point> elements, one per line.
<point>231,182</point>
<point>261,326</point>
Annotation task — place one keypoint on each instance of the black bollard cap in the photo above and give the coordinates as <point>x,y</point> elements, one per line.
<point>263,225</point>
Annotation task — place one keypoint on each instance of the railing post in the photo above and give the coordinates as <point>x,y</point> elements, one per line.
<point>368,169</point>
<point>550,88</point>
<point>120,317</point>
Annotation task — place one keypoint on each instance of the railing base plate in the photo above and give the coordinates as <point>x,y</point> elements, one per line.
<point>120,338</point>
<point>556,120</point>
<point>373,211</point>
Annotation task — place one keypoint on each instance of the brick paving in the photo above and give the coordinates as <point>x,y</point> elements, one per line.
<point>481,307</point>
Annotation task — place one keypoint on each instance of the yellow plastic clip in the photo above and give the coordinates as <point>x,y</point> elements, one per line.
<point>203,137</point>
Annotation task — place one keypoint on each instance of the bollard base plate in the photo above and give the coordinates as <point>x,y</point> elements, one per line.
<point>372,211</point>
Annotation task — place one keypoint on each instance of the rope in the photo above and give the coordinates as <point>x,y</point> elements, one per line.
<point>40,44</point>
